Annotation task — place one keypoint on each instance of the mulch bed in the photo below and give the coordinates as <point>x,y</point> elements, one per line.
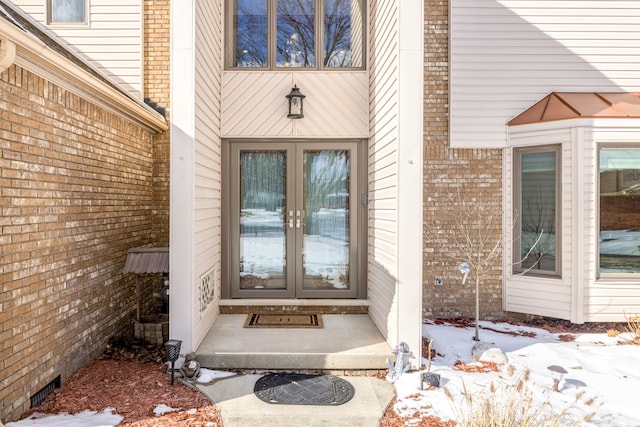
<point>131,377</point>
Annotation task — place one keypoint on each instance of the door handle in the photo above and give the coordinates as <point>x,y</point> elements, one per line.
<point>297,222</point>
<point>290,222</point>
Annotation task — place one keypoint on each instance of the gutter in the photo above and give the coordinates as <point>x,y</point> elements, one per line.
<point>25,50</point>
<point>7,54</point>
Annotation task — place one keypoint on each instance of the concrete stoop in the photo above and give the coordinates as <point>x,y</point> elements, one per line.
<point>346,342</point>
<point>239,407</point>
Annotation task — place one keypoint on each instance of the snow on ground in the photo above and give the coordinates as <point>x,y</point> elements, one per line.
<point>602,377</point>
<point>599,389</point>
<point>107,417</point>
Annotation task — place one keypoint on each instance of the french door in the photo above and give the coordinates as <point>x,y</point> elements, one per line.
<point>293,226</point>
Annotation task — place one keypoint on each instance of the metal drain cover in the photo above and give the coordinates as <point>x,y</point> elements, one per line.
<point>303,389</point>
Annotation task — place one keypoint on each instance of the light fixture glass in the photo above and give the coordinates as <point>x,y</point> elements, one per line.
<point>295,98</point>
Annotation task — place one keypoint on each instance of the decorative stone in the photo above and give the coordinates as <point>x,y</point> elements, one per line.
<point>487,352</point>
<point>152,329</point>
<point>431,379</point>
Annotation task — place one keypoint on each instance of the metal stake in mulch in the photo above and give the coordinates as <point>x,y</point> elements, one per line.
<point>173,352</point>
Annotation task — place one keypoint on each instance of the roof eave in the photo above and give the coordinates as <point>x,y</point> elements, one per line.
<point>33,55</point>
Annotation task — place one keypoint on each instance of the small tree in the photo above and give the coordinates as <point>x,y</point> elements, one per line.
<point>475,233</point>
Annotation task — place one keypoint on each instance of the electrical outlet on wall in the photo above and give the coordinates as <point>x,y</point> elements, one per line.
<point>437,281</point>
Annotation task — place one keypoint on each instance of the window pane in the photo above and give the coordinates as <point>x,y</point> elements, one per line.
<point>64,11</point>
<point>343,32</point>
<point>263,258</point>
<point>326,240</point>
<point>295,32</point>
<point>620,211</point>
<point>538,211</point>
<point>250,33</point>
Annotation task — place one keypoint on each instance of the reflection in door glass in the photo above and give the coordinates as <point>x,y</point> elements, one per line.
<point>262,232</point>
<point>326,232</point>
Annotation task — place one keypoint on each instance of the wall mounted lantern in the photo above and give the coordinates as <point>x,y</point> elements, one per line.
<point>295,98</point>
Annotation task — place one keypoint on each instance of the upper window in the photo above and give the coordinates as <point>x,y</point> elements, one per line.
<point>306,34</point>
<point>67,11</point>
<point>619,210</point>
<point>537,190</point>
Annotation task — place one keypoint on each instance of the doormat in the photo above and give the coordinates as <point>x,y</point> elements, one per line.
<point>271,320</point>
<point>303,389</point>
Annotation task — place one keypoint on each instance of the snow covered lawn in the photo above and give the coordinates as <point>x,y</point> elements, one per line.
<point>600,387</point>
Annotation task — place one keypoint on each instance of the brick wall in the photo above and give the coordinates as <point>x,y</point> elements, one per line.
<point>157,56</point>
<point>475,173</point>
<point>75,194</point>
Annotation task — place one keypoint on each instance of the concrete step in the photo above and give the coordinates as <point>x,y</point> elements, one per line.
<point>346,342</point>
<point>239,407</point>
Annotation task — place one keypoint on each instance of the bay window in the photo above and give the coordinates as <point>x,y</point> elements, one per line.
<point>537,210</point>
<point>619,206</point>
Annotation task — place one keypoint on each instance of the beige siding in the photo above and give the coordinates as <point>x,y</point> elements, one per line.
<point>506,55</point>
<point>207,166</point>
<point>254,104</point>
<point>538,295</point>
<point>610,302</point>
<point>579,295</point>
<point>383,167</point>
<point>606,299</point>
<point>111,40</point>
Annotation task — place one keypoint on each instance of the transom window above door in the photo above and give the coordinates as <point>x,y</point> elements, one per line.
<point>303,34</point>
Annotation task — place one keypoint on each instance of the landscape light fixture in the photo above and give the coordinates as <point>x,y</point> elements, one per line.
<point>557,373</point>
<point>295,98</point>
<point>173,352</point>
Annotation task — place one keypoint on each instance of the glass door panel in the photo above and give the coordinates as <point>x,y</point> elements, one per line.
<point>292,222</point>
<point>262,244</point>
<point>326,238</point>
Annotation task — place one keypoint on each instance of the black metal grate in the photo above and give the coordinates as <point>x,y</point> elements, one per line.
<point>40,396</point>
<point>303,389</point>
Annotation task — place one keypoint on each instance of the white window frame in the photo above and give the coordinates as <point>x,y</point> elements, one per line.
<point>51,22</point>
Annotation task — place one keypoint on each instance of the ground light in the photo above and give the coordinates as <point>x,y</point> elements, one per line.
<point>173,352</point>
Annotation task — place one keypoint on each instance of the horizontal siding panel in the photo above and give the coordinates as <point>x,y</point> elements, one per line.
<point>112,42</point>
<point>521,50</point>
<point>207,212</point>
<point>539,297</point>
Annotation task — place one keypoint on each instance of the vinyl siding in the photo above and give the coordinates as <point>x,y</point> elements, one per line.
<point>506,55</point>
<point>207,164</point>
<point>607,299</point>
<point>383,167</point>
<point>541,295</point>
<point>254,104</point>
<point>578,296</point>
<point>111,41</point>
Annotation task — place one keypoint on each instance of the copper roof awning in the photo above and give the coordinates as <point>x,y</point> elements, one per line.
<point>580,105</point>
<point>147,261</point>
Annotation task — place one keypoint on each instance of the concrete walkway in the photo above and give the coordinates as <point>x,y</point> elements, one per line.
<point>239,407</point>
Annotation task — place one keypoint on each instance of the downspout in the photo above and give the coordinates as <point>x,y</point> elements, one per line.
<point>7,54</point>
